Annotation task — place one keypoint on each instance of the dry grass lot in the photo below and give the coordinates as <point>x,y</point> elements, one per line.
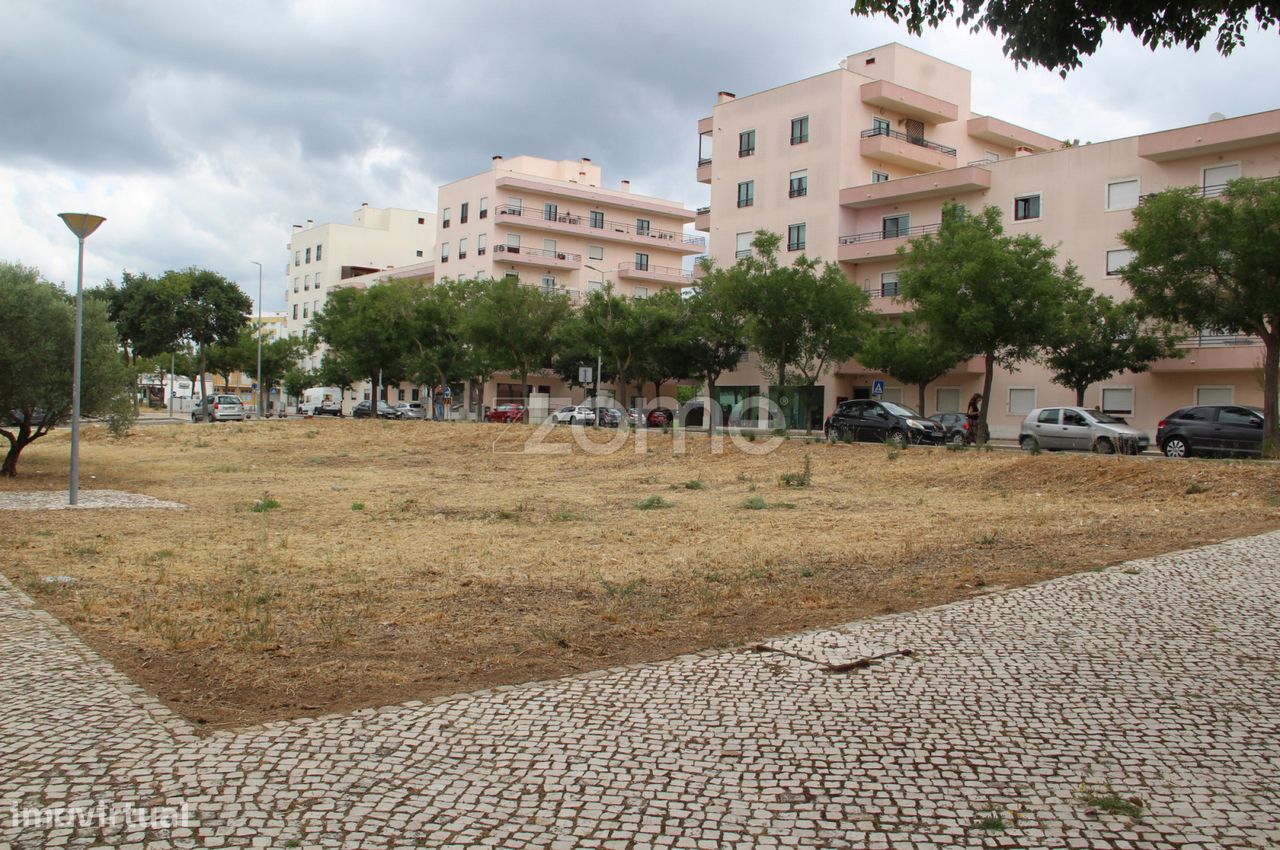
<point>409,559</point>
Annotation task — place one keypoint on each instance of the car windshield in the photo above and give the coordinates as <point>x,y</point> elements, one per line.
<point>898,409</point>
<point>1104,419</point>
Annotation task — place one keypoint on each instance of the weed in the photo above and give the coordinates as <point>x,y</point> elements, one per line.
<point>1273,501</point>
<point>991,822</point>
<point>266,503</point>
<point>956,446</point>
<point>987,447</point>
<point>567,516</point>
<point>1197,487</point>
<point>553,638</point>
<point>508,515</point>
<point>621,592</point>
<point>120,422</point>
<point>649,479</point>
<point>1108,801</point>
<point>1035,447</point>
<point>744,478</point>
<point>892,451</point>
<point>175,634</point>
<point>755,503</point>
<point>750,435</point>
<point>357,506</point>
<point>653,503</point>
<point>695,484</point>
<point>988,538</point>
<point>85,550</point>
<point>798,479</point>
<point>781,432</point>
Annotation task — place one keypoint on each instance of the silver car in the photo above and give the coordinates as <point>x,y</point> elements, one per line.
<point>1081,429</point>
<point>410,410</point>
<point>222,408</point>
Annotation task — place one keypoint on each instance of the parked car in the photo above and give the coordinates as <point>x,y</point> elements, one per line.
<point>634,418</point>
<point>410,410</point>
<point>1081,429</point>
<point>658,417</point>
<point>956,426</point>
<point>385,411</point>
<point>870,421</point>
<point>506,413</point>
<point>16,418</point>
<point>574,413</point>
<point>222,408</point>
<point>608,417</point>
<point>1211,429</point>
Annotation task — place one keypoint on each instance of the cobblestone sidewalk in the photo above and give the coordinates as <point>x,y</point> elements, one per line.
<point>1138,707</point>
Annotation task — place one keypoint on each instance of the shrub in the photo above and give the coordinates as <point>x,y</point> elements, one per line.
<point>266,503</point>
<point>653,503</point>
<point>798,479</point>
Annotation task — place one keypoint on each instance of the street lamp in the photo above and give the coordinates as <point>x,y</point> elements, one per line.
<point>82,225</point>
<point>261,411</point>
<point>595,392</point>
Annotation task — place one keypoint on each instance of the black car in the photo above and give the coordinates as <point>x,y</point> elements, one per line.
<point>1211,429</point>
<point>868,421</point>
<point>385,411</point>
<point>955,424</point>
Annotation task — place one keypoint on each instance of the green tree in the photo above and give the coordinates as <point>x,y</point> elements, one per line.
<point>665,321</point>
<point>1214,263</point>
<point>1056,33</point>
<point>608,326</point>
<point>439,352</point>
<point>801,319</point>
<point>36,353</point>
<point>278,358</point>
<point>145,313</point>
<point>238,354</point>
<point>512,327</point>
<point>296,381</point>
<point>211,310</point>
<point>1102,337</point>
<point>718,340</point>
<point>985,293</point>
<point>367,331</point>
<point>910,353</point>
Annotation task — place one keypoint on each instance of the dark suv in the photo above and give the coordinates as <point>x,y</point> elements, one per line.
<point>1208,429</point>
<point>870,421</point>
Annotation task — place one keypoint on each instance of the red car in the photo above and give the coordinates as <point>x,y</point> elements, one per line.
<point>506,413</point>
<point>658,417</point>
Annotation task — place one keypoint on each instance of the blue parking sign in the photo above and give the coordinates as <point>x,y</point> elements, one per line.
<point>877,387</point>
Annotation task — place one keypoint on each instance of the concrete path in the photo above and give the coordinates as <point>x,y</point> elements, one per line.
<point>1138,707</point>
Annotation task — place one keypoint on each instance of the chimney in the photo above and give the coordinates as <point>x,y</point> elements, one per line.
<point>363,205</point>
<point>311,222</point>
<point>297,227</point>
<point>725,97</point>
<point>624,186</point>
<point>586,159</point>
<point>497,157</point>
<point>1022,150</point>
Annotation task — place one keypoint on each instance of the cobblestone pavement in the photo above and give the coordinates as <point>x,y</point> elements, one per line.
<point>1025,718</point>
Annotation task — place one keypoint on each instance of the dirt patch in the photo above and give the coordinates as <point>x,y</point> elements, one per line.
<point>333,564</point>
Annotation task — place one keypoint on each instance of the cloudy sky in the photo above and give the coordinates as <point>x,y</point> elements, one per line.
<point>202,131</point>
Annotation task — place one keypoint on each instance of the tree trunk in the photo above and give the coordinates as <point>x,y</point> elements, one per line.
<point>524,390</point>
<point>921,388</point>
<point>16,445</point>
<point>989,368</point>
<point>711,410</point>
<point>1080,395</point>
<point>1271,393</point>
<point>207,410</point>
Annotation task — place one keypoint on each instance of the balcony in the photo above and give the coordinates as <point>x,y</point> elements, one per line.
<point>909,102</point>
<point>999,132</point>
<point>704,170</point>
<point>938,184</point>
<point>615,231</point>
<point>702,219</point>
<point>1207,191</point>
<point>1230,134</point>
<point>885,145</point>
<point>1215,352</point>
<point>884,300</point>
<point>536,257</point>
<point>655,274</point>
<point>879,244</point>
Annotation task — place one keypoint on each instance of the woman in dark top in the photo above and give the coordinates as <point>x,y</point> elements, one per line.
<point>973,414</point>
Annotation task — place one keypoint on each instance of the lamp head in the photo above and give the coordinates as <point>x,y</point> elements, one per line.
<point>81,224</point>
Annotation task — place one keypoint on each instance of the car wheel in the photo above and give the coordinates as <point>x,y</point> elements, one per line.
<point>1104,446</point>
<point>1027,443</point>
<point>1176,447</point>
<point>956,439</point>
<point>898,438</point>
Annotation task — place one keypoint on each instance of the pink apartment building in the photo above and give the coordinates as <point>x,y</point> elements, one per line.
<point>850,164</point>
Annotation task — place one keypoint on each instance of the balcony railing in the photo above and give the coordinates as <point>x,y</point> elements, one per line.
<point>704,210</point>
<point>903,137</point>
<point>1208,191</point>
<point>1217,339</point>
<point>537,252</point>
<point>704,160</point>
<point>892,233</point>
<point>534,214</point>
<point>659,271</point>
<point>889,290</point>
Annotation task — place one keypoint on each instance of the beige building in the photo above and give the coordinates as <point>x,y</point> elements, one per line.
<point>850,164</point>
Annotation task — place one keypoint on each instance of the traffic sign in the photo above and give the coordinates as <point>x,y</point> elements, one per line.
<point>584,375</point>
<point>877,388</point>
<point>448,392</point>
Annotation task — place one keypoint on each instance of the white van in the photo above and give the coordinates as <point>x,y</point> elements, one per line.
<point>321,401</point>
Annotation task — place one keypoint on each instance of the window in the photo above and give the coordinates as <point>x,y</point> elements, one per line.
<point>799,184</point>
<point>317,281</point>
<point>550,211</point>
<point>462,212</point>
<point>642,262</point>
<point>895,225</point>
<point>421,220</point>
<point>889,284</point>
<point>308,255</point>
<point>991,156</point>
<point>484,207</point>
<point>418,253</point>
<point>297,283</point>
<point>639,292</point>
<point>513,240</point>
<point>747,193</point>
<point>1074,417</point>
<point>799,130</point>
<point>1118,259</point>
<point>947,399</point>
<point>746,143</point>
<point>795,237</point>
<point>462,248</point>
<point>893,394</point>
<point>482,244</point>
<point>295,311</point>
<point>1215,395</point>
<point>511,276</point>
<point>879,177</point>
<point>880,126</point>
<point>306,282</point>
<point>1022,400</point>
<point>743,247</point>
<point>595,218</point>
<point>1219,175</point>
<point>595,252</point>
<point>305,314</point>
<point>297,259</point>
<point>642,227</point>
<point>444,218</point>
<point>444,252</point>
<point>318,250</point>
<point>1117,400</point>
<point>1026,208</point>
<point>548,283</point>
<point>1239,416</point>
<point>549,246</point>
<point>315,308</point>
<point>515,205</point>
<point>1049,416</point>
<point>1122,194</point>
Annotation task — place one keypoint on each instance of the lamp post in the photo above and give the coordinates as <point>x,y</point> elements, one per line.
<point>261,407</point>
<point>82,225</point>
<point>595,391</point>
